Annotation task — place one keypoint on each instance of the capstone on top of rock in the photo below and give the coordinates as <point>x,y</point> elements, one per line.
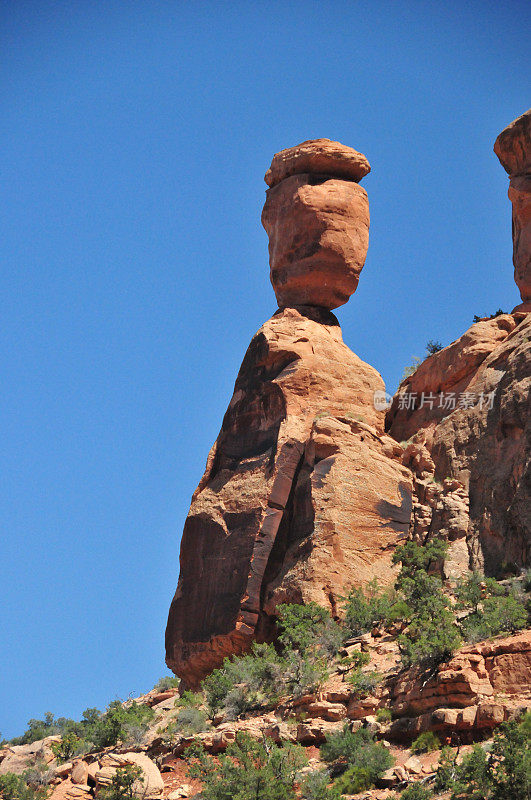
<point>317,218</point>
<point>513,145</point>
<point>321,156</point>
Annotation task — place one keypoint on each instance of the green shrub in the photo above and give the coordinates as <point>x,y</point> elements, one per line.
<point>360,752</point>
<point>446,771</point>
<point>384,715</point>
<point>309,629</point>
<point>501,612</point>
<point>189,699</point>
<point>473,780</point>
<point>248,769</point>
<point>119,723</point>
<point>315,786</point>
<point>432,635</point>
<point>366,608</point>
<point>166,682</point>
<point>433,346</point>
<point>427,742</point>
<point>15,787</point>
<point>66,748</point>
<point>308,639</point>
<point>245,682</point>
<point>408,371</point>
<point>416,792</point>
<point>121,786</point>
<point>363,683</point>
<point>354,780</point>
<point>191,720</point>
<point>502,773</point>
<point>430,640</point>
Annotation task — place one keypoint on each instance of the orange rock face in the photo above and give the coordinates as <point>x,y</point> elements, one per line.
<point>291,505</point>
<point>513,148</point>
<point>471,461</point>
<point>318,227</point>
<point>474,690</point>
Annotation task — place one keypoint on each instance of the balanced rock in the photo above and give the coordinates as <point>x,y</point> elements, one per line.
<point>317,218</point>
<point>513,148</point>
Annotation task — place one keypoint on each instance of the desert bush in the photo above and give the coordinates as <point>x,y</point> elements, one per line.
<point>245,682</point>
<point>365,759</point>
<point>501,772</point>
<point>248,769</point>
<point>15,787</point>
<point>315,786</point>
<point>365,608</point>
<point>166,682</point>
<point>497,610</point>
<point>66,748</point>
<point>426,742</point>
<point>363,683</point>
<point>416,792</point>
<point>308,639</point>
<point>384,715</point>
<point>433,346</point>
<point>432,635</point>
<point>121,786</point>
<point>118,723</point>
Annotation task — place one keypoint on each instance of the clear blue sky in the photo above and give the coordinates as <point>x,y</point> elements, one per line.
<point>134,140</point>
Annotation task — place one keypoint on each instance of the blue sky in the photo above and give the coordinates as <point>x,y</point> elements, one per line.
<point>134,140</point>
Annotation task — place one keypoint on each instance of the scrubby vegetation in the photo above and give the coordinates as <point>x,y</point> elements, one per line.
<point>248,769</point>
<point>499,772</point>
<point>429,619</point>
<point>95,730</point>
<point>426,742</point>
<point>122,783</point>
<point>364,760</point>
<point>166,682</point>
<point>308,638</point>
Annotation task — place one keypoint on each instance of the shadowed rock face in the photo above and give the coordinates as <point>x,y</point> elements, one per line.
<point>302,496</point>
<point>513,148</point>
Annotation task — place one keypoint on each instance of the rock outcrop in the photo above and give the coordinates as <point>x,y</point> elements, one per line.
<point>465,418</point>
<point>303,494</point>
<point>513,148</point>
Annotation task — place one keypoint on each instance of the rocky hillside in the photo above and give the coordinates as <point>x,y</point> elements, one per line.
<point>461,702</point>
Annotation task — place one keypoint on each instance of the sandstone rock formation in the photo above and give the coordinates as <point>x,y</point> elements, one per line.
<point>303,494</point>
<point>513,148</point>
<point>468,439</point>
<point>317,223</point>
